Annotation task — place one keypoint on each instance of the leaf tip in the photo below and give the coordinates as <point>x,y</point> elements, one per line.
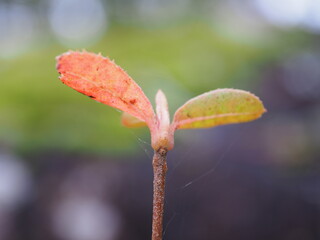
<point>162,108</point>
<point>160,95</point>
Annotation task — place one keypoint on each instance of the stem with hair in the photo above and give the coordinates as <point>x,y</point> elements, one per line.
<point>159,171</point>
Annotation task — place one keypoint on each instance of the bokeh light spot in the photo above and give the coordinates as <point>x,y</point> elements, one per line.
<point>77,22</point>
<point>283,13</point>
<point>17,29</point>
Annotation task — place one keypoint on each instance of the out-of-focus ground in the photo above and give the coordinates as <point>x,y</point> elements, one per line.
<point>70,171</point>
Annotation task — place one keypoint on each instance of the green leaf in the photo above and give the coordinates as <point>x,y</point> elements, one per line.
<point>218,107</point>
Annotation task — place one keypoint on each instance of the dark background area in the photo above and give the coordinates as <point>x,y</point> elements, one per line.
<point>70,171</point>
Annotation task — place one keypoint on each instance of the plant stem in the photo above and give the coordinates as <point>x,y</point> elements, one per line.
<point>159,170</point>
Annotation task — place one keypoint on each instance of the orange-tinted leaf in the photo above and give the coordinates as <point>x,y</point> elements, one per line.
<point>218,107</point>
<point>102,80</point>
<point>131,121</point>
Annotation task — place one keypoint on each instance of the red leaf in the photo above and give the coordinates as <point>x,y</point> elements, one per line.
<point>102,80</point>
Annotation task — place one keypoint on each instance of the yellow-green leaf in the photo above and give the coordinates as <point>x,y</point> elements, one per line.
<point>218,107</point>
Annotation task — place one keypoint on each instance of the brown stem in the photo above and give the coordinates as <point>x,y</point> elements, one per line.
<point>159,171</point>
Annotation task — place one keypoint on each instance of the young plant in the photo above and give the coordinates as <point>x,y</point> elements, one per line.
<point>102,80</point>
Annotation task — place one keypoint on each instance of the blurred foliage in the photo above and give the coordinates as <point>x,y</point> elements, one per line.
<point>235,182</point>
<point>37,112</point>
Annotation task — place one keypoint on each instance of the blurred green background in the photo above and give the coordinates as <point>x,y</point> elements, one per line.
<point>185,48</point>
<point>196,51</point>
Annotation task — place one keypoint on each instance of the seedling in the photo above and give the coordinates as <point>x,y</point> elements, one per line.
<point>102,80</point>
